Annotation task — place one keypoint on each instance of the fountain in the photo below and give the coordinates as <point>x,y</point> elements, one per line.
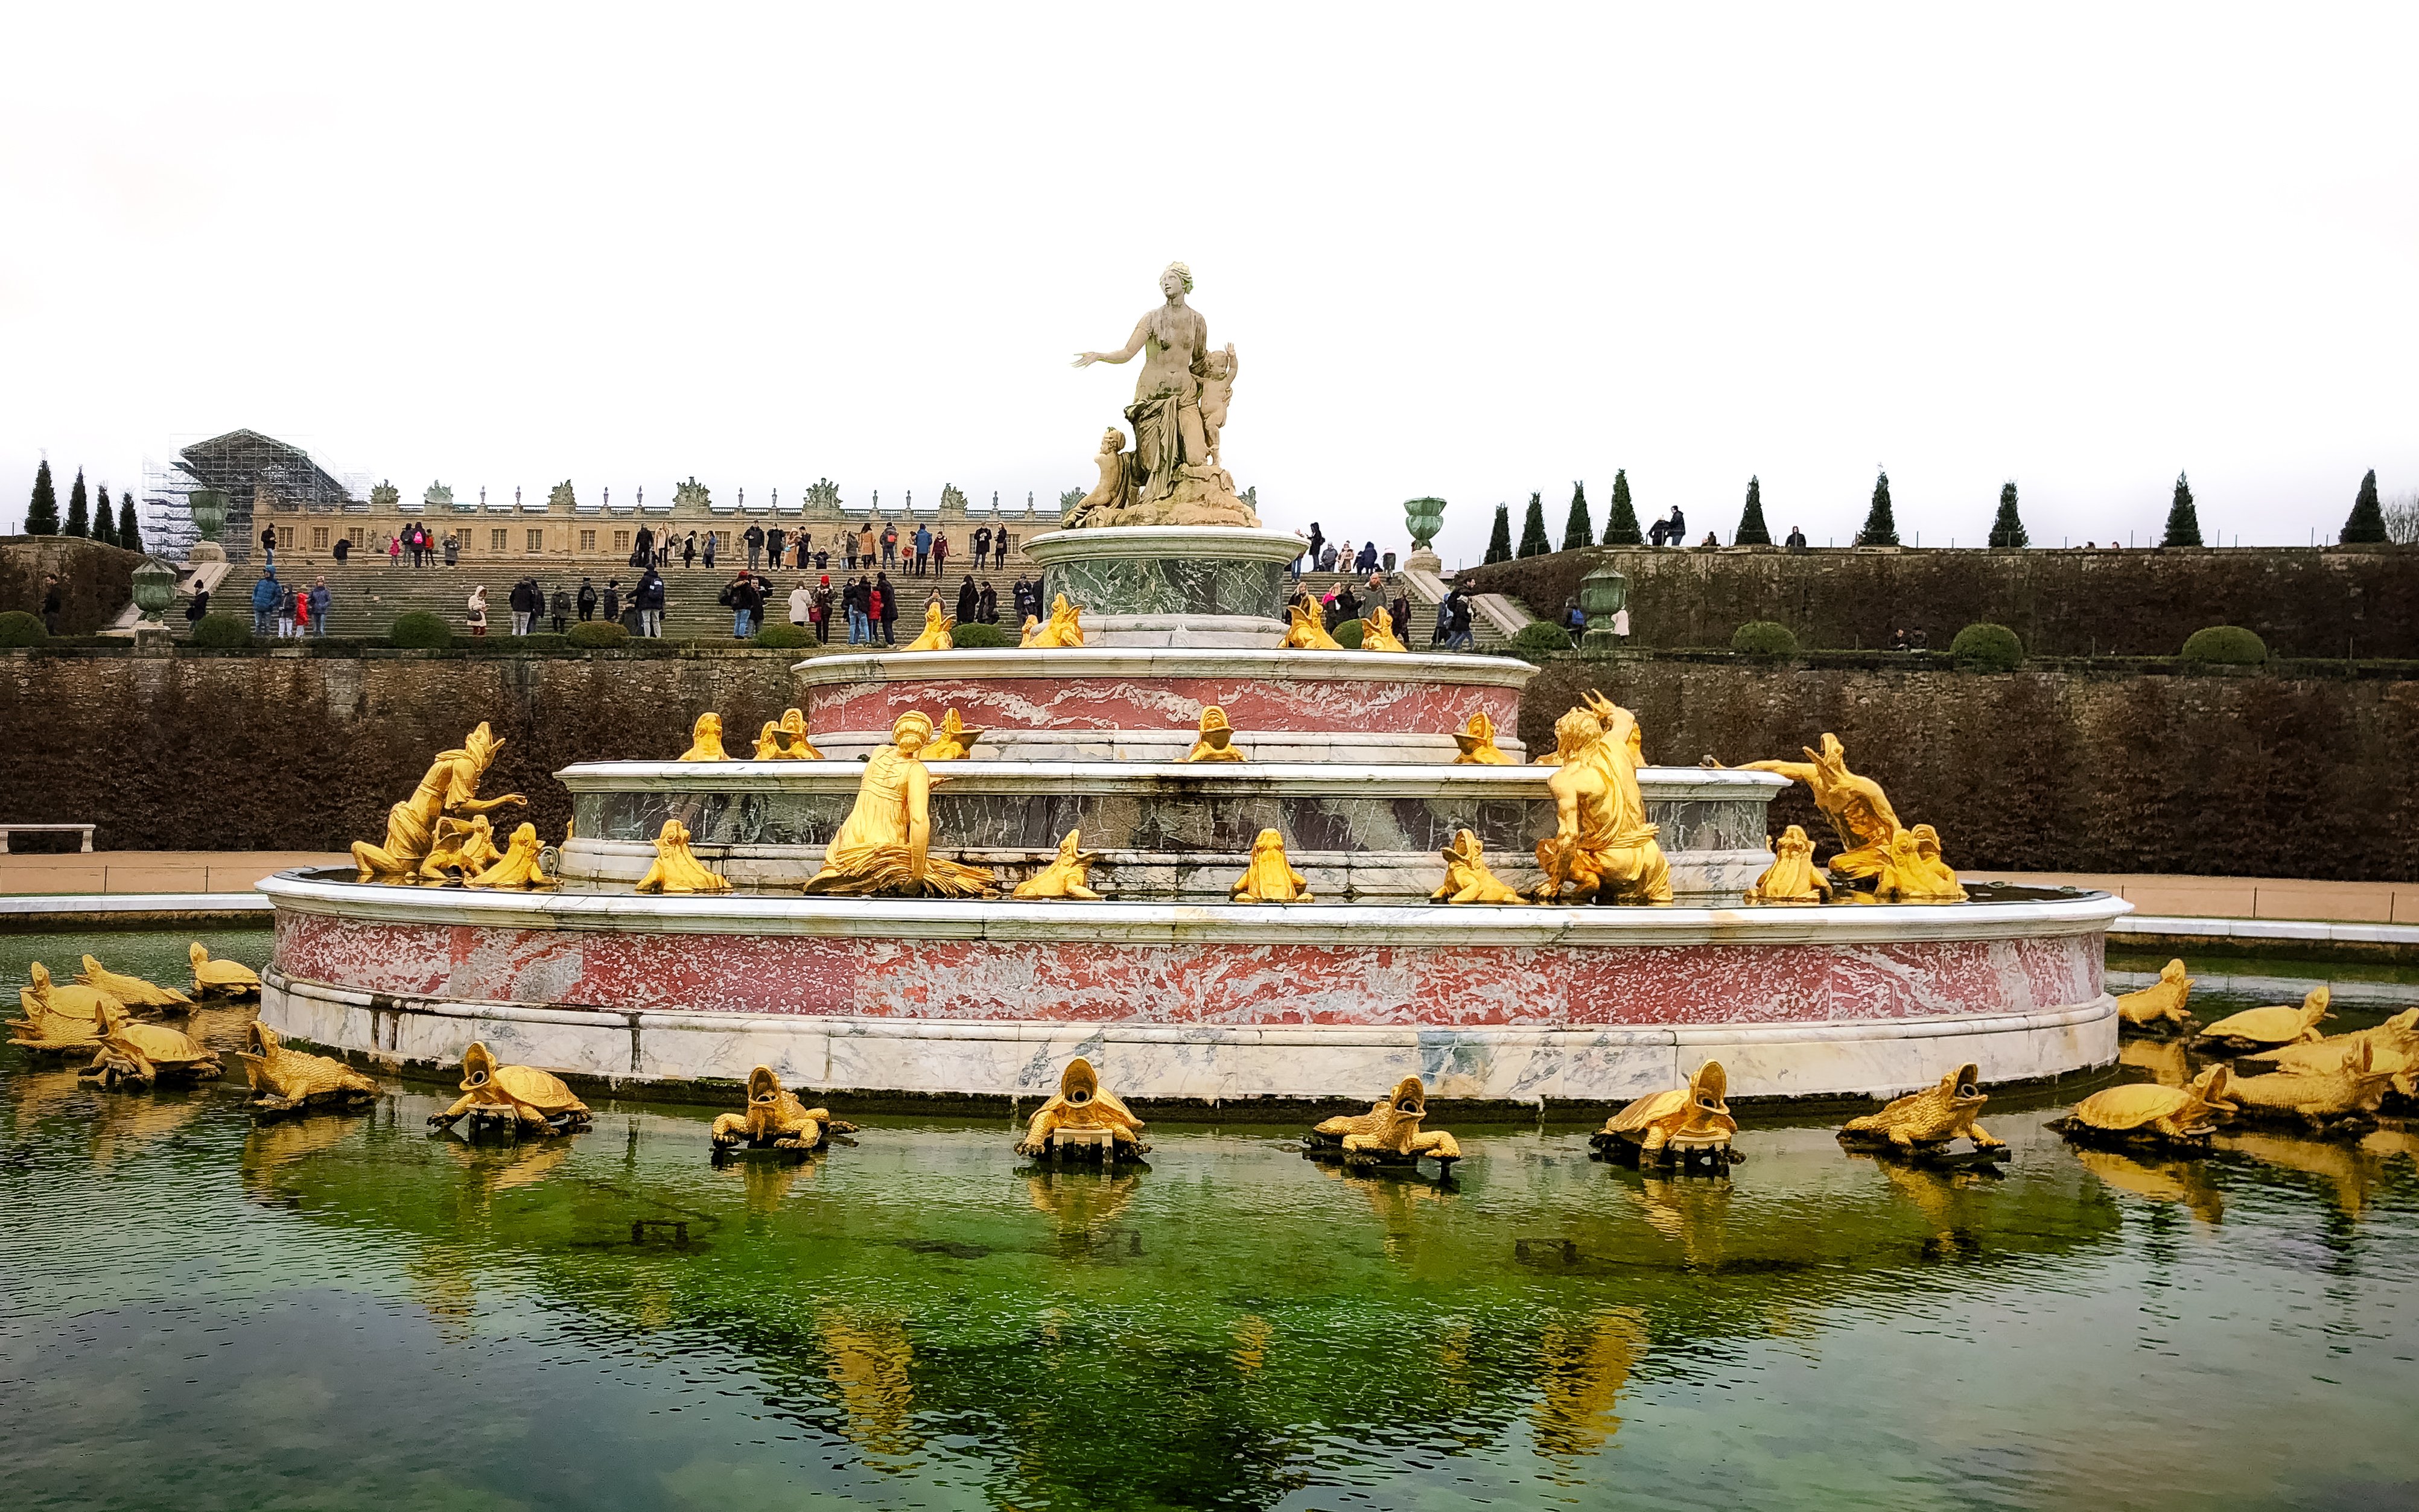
<point>866,924</point>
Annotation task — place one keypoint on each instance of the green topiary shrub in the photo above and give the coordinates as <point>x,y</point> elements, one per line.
<point>786,636</point>
<point>18,629</point>
<point>222,632</point>
<point>1988,648</point>
<point>1348,635</point>
<point>1762,638</point>
<point>981,638</point>
<point>598,635</point>
<point>1537,639</point>
<point>420,631</point>
<point>2229,646</point>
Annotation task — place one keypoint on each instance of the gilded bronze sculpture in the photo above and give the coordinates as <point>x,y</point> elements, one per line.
<point>676,868</point>
<point>1924,1123</point>
<point>706,740</point>
<point>1859,811</point>
<point>1307,630</point>
<point>75,1001</point>
<point>1603,848</point>
<point>464,848</point>
<point>884,845</point>
<point>786,741</point>
<point>221,978</point>
<point>1085,1120</point>
<point>290,1081</point>
<point>135,992</point>
<point>1689,1126</point>
<point>775,1119</point>
<point>1068,875</point>
<point>1791,878</point>
<point>2158,1008</point>
<point>146,1053</point>
<point>2334,1097</point>
<point>952,741</point>
<point>1467,878</point>
<point>47,1029</point>
<point>1913,873</point>
<point>937,626</point>
<point>2265,1028</point>
<point>2392,1045</point>
<point>1378,631</point>
<point>450,790</point>
<point>1476,739</point>
<point>2145,1114</point>
<point>1270,878</point>
<point>1215,740</point>
<point>521,1098</point>
<point>518,866</point>
<point>1388,1134</point>
<point>1063,628</point>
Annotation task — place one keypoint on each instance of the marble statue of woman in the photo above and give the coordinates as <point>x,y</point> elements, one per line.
<point>1173,479</point>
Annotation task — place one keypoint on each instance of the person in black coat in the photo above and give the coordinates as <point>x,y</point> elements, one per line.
<point>648,598</point>
<point>889,606</point>
<point>588,599</point>
<point>987,607</point>
<point>967,605</point>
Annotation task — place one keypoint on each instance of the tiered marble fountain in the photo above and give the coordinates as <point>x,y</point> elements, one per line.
<point>1175,991</point>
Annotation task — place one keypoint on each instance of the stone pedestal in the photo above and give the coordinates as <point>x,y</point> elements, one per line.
<point>1171,585</point>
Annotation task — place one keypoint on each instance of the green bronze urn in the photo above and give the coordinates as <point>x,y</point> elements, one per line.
<point>1603,592</point>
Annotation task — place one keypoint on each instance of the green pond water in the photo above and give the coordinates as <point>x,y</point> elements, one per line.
<point>198,1312</point>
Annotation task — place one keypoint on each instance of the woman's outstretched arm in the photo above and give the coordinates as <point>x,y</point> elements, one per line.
<point>1133,345</point>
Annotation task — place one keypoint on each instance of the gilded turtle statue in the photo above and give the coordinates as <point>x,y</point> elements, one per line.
<point>2336,1099</point>
<point>291,1081</point>
<point>1388,1134</point>
<point>1084,1121</point>
<point>775,1119</point>
<point>2265,1028</point>
<point>2145,1113</point>
<point>519,1097</point>
<point>2158,1008</point>
<point>221,978</point>
<point>44,1031</point>
<point>146,1054</point>
<point>135,992</point>
<point>2394,1047</point>
<point>1686,1126</point>
<point>73,1001</point>
<point>1924,1123</point>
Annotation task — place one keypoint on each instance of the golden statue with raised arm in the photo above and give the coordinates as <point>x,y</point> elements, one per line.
<point>1172,476</point>
<point>1603,846</point>
<point>1859,813</point>
<point>450,790</point>
<point>884,845</point>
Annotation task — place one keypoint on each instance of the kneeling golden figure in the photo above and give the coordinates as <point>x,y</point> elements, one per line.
<point>517,866</point>
<point>676,869</point>
<point>775,1119</point>
<point>1603,848</point>
<point>937,626</point>
<point>2158,1008</point>
<point>1270,878</point>
<point>953,741</point>
<point>884,845</point>
<point>1926,1121</point>
<point>1467,878</point>
<point>1686,1126</point>
<point>706,740</point>
<point>1388,1134</point>
<point>290,1081</point>
<point>1476,739</point>
<point>1215,741</point>
<point>1791,877</point>
<point>1085,1120</point>
<point>1068,875</point>
<point>1308,630</point>
<point>521,1098</point>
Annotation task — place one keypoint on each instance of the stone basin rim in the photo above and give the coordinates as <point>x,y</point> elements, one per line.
<point>1162,662</point>
<point>1657,783</point>
<point>1113,922</point>
<point>1232,542</point>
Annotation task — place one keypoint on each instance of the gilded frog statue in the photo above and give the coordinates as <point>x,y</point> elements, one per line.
<point>1389,1134</point>
<point>775,1119</point>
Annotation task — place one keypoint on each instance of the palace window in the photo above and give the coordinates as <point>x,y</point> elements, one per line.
<point>495,540</point>
<point>621,541</point>
<point>537,540</point>
<point>588,540</point>
<point>318,537</point>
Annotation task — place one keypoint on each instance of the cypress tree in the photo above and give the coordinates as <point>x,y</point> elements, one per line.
<point>1499,542</point>
<point>2368,522</point>
<point>1576,530</point>
<point>79,508</point>
<point>2183,522</point>
<point>1881,527</point>
<point>42,513</point>
<point>2007,529</point>
<point>1752,530</point>
<point>130,534</point>
<point>1533,528</point>
<point>104,518</point>
<point>1621,520</point>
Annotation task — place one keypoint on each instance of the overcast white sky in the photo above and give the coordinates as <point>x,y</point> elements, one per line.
<point>1470,250</point>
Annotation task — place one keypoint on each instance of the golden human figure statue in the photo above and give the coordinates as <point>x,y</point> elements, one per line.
<point>676,868</point>
<point>706,740</point>
<point>1308,630</point>
<point>1791,878</point>
<point>884,845</point>
<point>1215,742</point>
<point>518,866</point>
<point>1378,631</point>
<point>1181,401</point>
<point>449,789</point>
<point>1467,878</point>
<point>937,632</point>
<point>1603,848</point>
<point>786,740</point>
<point>1859,811</point>
<point>464,848</point>
<point>1913,873</point>
<point>1476,739</point>
<point>1270,878</point>
<point>953,741</point>
<point>1063,628</point>
<point>1068,875</point>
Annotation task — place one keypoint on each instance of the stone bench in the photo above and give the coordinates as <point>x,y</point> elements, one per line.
<point>6,830</point>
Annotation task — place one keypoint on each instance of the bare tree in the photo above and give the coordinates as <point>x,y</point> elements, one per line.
<point>2402,520</point>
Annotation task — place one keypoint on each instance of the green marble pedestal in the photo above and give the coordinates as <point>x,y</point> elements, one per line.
<point>1171,585</point>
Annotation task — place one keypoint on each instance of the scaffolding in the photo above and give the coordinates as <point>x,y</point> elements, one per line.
<point>257,472</point>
